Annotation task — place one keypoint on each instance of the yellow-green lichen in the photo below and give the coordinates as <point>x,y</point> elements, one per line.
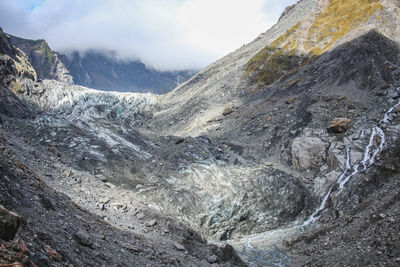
<point>283,56</point>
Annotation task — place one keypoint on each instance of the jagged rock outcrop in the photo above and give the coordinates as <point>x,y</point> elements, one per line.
<point>45,61</point>
<point>9,224</point>
<point>307,153</point>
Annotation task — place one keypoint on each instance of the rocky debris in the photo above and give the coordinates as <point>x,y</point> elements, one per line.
<point>222,159</point>
<point>339,125</point>
<point>9,224</point>
<point>15,254</point>
<point>361,225</point>
<point>96,242</point>
<point>308,152</point>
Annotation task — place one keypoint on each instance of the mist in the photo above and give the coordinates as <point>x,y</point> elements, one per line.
<point>167,35</point>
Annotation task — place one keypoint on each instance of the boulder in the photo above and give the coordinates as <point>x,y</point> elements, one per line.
<point>9,224</point>
<point>308,152</point>
<point>228,254</point>
<point>83,238</point>
<point>339,125</point>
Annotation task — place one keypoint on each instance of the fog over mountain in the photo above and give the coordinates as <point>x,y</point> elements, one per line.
<point>168,35</point>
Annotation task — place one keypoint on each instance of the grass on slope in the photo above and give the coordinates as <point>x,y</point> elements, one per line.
<point>288,53</point>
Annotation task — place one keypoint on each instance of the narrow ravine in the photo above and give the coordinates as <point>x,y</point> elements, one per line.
<point>257,256</point>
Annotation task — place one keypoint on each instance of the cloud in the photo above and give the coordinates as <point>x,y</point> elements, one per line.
<point>173,34</point>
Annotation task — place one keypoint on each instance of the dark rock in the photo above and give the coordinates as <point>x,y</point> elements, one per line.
<point>83,238</point>
<point>40,259</point>
<point>46,203</point>
<point>228,254</point>
<point>179,141</point>
<point>339,125</point>
<point>9,224</point>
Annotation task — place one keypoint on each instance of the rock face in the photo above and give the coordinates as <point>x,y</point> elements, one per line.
<point>9,224</point>
<point>46,62</point>
<point>103,71</point>
<point>308,152</point>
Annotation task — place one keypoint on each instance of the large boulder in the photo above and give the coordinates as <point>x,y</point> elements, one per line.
<point>308,152</point>
<point>9,224</point>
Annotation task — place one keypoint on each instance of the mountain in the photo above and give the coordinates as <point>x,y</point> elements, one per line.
<point>286,149</point>
<point>103,71</point>
<point>98,69</point>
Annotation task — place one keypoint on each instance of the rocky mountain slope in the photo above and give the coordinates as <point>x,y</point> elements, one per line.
<point>103,71</point>
<point>98,69</point>
<point>284,148</point>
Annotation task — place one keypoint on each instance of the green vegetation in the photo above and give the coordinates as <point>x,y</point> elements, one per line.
<point>48,56</point>
<point>283,56</point>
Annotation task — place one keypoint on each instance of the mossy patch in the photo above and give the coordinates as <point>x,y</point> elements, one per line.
<point>283,56</point>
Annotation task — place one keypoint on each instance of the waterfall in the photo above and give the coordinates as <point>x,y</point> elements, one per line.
<point>375,145</point>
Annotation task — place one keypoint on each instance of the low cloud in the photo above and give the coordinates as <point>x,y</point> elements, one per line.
<point>173,34</point>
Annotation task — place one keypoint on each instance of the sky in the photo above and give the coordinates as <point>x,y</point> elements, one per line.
<point>164,34</point>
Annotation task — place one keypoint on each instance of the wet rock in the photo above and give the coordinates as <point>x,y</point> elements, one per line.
<point>83,238</point>
<point>321,184</point>
<point>339,125</point>
<point>9,224</point>
<point>308,152</point>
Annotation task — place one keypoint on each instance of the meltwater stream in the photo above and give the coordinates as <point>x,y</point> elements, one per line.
<point>376,143</point>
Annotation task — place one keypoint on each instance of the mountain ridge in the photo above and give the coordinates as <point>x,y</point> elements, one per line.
<point>98,69</point>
